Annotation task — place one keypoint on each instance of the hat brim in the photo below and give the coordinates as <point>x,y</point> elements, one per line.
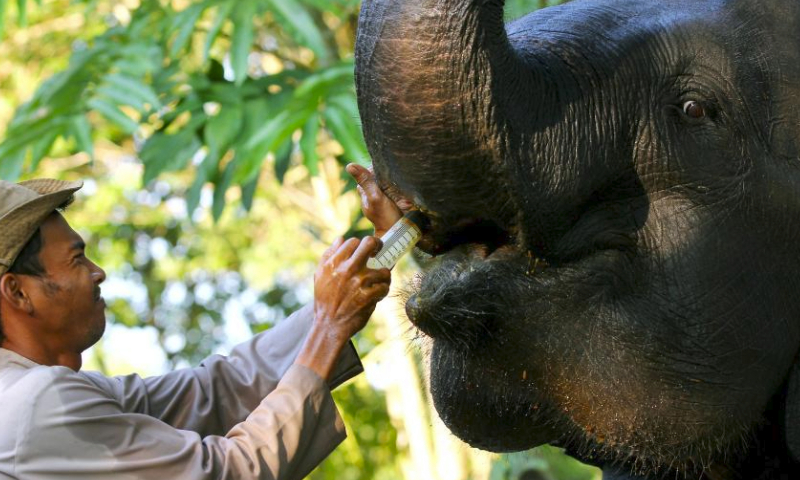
<point>19,225</point>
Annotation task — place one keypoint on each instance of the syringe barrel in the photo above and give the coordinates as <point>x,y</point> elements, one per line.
<point>399,240</point>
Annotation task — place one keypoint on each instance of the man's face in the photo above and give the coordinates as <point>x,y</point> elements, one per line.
<point>66,300</point>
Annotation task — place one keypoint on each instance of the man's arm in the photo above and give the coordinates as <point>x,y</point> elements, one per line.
<point>222,391</point>
<point>76,431</point>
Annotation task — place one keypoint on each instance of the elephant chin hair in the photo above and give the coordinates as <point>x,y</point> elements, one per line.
<point>657,460</point>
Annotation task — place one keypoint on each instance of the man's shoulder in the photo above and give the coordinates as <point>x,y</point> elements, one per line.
<point>20,392</point>
<point>23,389</point>
<point>15,382</point>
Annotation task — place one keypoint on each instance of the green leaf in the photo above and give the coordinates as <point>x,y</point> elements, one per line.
<point>22,13</point>
<point>339,8</point>
<point>223,12</point>
<point>283,158</point>
<point>162,153</point>
<point>139,92</point>
<point>248,193</point>
<point>113,114</point>
<point>305,31</point>
<point>222,129</point>
<point>23,136</point>
<point>242,40</point>
<point>341,118</point>
<point>119,97</point>
<point>11,165</point>
<point>82,133</point>
<point>81,129</point>
<point>275,132</point>
<point>185,21</point>
<point>221,185</point>
<point>62,90</point>
<point>224,92</point>
<point>308,145</point>
<point>322,83</point>
<point>41,147</point>
<point>204,172</point>
<point>3,9</point>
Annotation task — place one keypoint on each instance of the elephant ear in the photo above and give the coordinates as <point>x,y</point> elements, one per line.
<point>792,418</point>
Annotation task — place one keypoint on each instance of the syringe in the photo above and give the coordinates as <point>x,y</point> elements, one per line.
<point>399,240</point>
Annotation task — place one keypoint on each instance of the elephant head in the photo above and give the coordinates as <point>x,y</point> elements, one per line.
<point>614,191</point>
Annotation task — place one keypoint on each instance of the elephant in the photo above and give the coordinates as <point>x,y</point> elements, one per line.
<point>613,188</point>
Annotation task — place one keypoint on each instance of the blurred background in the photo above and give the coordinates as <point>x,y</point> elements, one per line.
<point>212,137</point>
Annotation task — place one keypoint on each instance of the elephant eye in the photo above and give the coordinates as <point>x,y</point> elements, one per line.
<point>694,109</point>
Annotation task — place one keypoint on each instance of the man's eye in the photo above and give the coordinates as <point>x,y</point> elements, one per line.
<point>694,109</point>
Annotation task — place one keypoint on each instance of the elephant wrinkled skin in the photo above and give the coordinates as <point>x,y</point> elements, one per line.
<point>612,186</point>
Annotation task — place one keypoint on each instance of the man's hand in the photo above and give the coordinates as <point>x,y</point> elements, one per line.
<point>345,295</point>
<point>379,209</point>
<point>345,290</point>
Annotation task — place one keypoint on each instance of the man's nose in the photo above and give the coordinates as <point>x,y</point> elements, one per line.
<point>98,274</point>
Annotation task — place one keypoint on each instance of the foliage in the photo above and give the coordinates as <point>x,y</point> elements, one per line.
<point>217,86</point>
<point>543,463</point>
<point>517,8</point>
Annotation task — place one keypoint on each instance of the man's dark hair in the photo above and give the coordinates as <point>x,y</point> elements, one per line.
<point>28,262</point>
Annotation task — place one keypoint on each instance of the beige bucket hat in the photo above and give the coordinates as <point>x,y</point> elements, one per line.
<point>23,207</point>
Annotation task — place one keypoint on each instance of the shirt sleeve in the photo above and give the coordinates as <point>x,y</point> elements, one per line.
<point>222,391</point>
<point>77,431</point>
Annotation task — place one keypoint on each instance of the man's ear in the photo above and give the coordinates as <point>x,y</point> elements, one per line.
<point>792,418</point>
<point>12,293</point>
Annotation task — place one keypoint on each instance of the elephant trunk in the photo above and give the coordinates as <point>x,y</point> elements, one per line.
<point>434,78</point>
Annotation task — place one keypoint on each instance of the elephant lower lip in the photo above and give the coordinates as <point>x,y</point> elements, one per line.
<point>508,423</point>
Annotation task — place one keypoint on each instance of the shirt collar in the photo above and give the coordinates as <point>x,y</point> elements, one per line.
<point>11,358</point>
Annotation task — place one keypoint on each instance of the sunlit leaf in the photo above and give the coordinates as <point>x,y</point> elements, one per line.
<point>308,144</point>
<point>82,132</point>
<point>34,135</point>
<point>185,22</point>
<point>342,119</point>
<point>204,172</point>
<point>221,184</point>
<point>248,193</point>
<point>242,41</point>
<point>339,8</point>
<point>321,83</point>
<point>226,93</point>
<point>114,114</point>
<point>163,152</point>
<point>11,164</point>
<point>223,12</point>
<point>3,9</point>
<point>120,97</point>
<point>41,147</point>
<point>283,157</point>
<point>272,134</point>
<point>297,19</point>
<point>65,87</point>
<point>139,92</point>
<point>22,12</point>
<point>223,128</point>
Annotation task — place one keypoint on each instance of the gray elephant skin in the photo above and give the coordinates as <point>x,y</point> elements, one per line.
<point>614,191</point>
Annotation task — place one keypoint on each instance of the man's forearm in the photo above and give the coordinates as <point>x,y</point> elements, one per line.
<point>321,350</point>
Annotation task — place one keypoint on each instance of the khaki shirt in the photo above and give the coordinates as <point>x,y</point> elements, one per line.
<point>251,415</point>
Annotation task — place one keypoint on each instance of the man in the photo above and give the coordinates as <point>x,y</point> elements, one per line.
<point>264,412</point>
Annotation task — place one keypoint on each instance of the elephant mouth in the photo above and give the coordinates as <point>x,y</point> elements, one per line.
<point>473,263</point>
<point>488,296</point>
